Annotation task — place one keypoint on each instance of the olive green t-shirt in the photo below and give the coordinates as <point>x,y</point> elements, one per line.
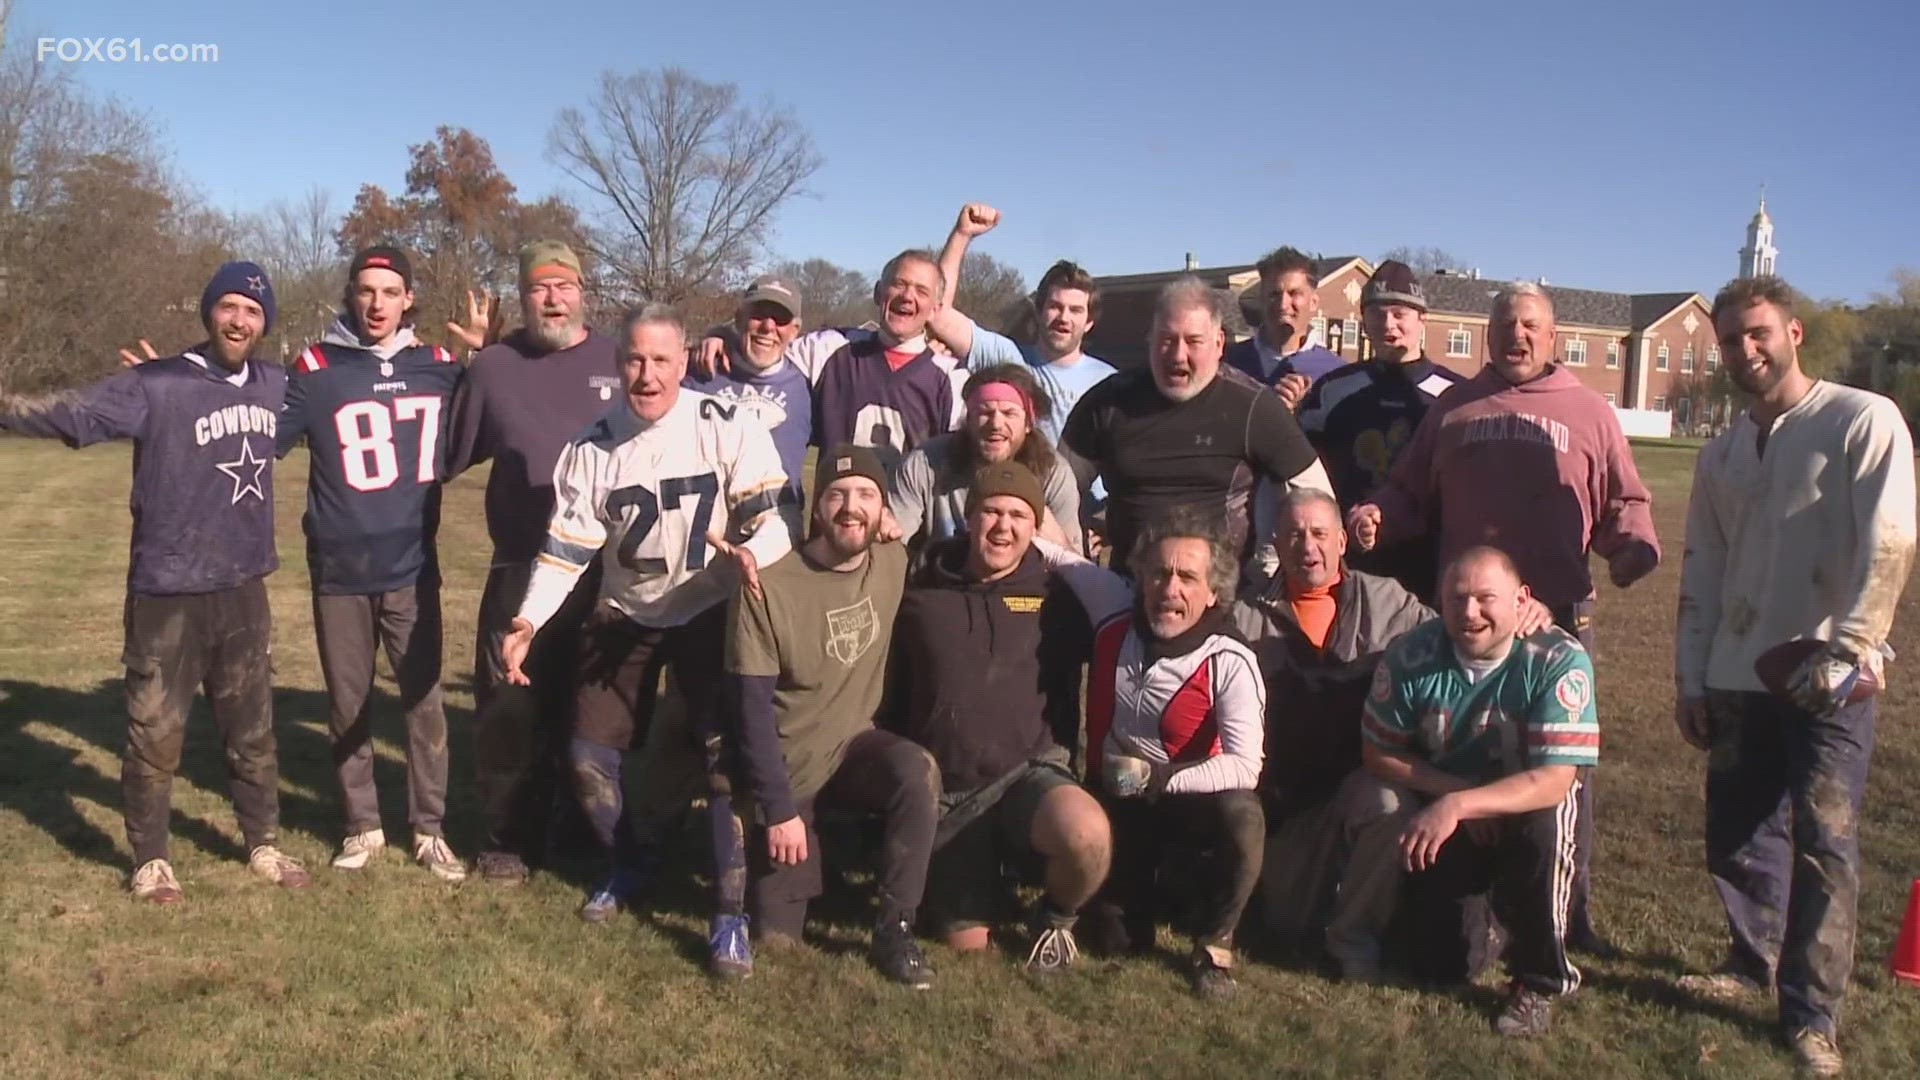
<point>823,635</point>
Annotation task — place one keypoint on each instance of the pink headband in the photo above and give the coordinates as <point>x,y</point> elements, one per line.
<point>1005,393</point>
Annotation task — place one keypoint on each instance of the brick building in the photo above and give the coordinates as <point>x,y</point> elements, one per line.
<point>1636,349</point>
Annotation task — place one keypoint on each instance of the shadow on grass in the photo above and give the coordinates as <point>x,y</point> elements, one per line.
<point>42,780</point>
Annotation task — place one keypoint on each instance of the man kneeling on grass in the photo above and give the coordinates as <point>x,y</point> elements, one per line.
<point>985,674</point>
<point>1478,736</point>
<point>807,657</point>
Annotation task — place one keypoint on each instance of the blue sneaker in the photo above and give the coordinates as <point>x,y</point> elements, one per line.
<point>729,955</point>
<point>610,897</point>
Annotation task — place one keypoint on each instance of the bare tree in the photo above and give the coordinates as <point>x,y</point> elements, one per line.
<point>995,294</point>
<point>1427,260</point>
<point>834,295</point>
<point>115,246</point>
<point>687,178</point>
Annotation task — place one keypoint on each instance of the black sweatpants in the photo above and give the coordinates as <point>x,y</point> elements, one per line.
<point>881,772</point>
<point>1230,825</point>
<point>520,734</point>
<point>1527,877</point>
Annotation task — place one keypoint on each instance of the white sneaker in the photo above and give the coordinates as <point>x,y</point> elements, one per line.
<point>433,853</point>
<point>278,867</point>
<point>1815,1055</point>
<point>154,882</point>
<point>359,850</point>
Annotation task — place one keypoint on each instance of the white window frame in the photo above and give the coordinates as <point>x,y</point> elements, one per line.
<point>1660,403</point>
<point>1686,359</point>
<point>1464,350</point>
<point>1349,334</point>
<point>1611,400</point>
<point>1613,356</point>
<point>1576,353</point>
<point>1662,357</point>
<point>1713,358</point>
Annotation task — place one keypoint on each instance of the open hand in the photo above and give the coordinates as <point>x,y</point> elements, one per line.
<point>128,358</point>
<point>513,651</point>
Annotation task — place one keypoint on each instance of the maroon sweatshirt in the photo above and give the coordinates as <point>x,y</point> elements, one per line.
<point>1541,471</point>
<point>519,408</point>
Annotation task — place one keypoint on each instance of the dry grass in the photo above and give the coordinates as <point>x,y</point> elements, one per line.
<point>387,974</point>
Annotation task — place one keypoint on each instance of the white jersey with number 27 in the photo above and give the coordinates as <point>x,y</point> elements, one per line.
<point>646,498</point>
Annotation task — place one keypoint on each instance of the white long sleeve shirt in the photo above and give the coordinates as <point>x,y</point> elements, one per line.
<point>645,498</point>
<point>1813,539</point>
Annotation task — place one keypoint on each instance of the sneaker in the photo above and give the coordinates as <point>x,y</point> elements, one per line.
<point>1722,985</point>
<point>359,850</point>
<point>278,867</point>
<point>1210,978</point>
<point>608,899</point>
<point>1054,951</point>
<point>502,868</point>
<point>1814,1053</point>
<point>433,853</point>
<point>729,953</point>
<point>1527,1014</point>
<point>898,955</point>
<point>154,882</point>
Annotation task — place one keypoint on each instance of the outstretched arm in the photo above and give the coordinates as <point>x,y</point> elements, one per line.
<point>949,324</point>
<point>113,408</point>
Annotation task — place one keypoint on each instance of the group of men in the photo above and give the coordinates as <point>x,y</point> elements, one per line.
<point>1338,656</point>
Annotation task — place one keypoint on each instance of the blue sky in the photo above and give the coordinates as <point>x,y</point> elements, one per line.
<point>1617,145</point>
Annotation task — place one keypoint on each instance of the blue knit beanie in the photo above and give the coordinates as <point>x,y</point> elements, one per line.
<point>244,278</point>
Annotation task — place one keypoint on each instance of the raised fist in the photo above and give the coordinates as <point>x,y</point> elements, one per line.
<point>1363,522</point>
<point>976,219</point>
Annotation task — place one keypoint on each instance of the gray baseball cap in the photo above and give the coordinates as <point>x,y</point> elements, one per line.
<point>773,290</point>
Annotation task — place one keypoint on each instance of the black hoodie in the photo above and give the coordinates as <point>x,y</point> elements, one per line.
<point>986,676</point>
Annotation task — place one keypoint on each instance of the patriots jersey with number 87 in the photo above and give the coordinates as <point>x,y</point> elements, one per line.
<point>374,427</point>
<point>648,500</point>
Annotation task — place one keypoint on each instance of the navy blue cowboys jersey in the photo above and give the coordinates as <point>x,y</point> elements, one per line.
<point>376,434</point>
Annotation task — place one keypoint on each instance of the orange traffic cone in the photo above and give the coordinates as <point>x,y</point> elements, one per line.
<point>1906,951</point>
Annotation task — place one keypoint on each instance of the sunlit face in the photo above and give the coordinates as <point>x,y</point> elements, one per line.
<point>1311,542</point>
<point>379,299</point>
<point>1065,318</point>
<point>234,326</point>
<point>1176,586</point>
<point>1396,330</point>
<point>998,429</point>
<point>1288,303</point>
<point>554,310</point>
<point>654,363</point>
<point>847,513</point>
<point>1186,347</point>
<point>766,329</point>
<point>1520,338</point>
<point>1761,345</point>
<point>1480,602</point>
<point>999,531</point>
<point>907,299</point>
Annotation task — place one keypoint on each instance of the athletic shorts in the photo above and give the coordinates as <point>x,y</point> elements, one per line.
<point>967,880</point>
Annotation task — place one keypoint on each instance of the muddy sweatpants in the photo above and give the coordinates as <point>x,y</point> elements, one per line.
<point>175,647</point>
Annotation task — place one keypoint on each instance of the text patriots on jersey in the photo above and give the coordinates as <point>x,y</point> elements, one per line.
<point>235,420</point>
<point>388,387</point>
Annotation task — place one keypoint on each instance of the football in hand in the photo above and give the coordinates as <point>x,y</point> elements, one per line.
<point>1777,666</point>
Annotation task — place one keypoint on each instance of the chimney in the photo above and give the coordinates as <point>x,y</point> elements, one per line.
<point>1474,273</point>
<point>1192,263</point>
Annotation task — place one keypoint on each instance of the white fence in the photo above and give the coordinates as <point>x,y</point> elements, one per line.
<point>1645,423</point>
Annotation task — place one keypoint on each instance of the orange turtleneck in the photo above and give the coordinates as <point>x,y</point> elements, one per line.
<point>1314,608</point>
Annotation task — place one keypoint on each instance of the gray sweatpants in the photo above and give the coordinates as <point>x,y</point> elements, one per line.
<point>406,624</point>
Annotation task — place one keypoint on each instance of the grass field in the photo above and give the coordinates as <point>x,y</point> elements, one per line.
<point>390,974</point>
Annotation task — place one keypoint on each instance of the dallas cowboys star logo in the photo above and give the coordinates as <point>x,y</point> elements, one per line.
<point>236,470</point>
<point>256,284</point>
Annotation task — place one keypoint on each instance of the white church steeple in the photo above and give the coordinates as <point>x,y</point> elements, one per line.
<point>1758,256</point>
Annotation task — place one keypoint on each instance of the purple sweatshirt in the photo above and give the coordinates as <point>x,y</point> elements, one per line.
<point>519,408</point>
<point>1541,471</point>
